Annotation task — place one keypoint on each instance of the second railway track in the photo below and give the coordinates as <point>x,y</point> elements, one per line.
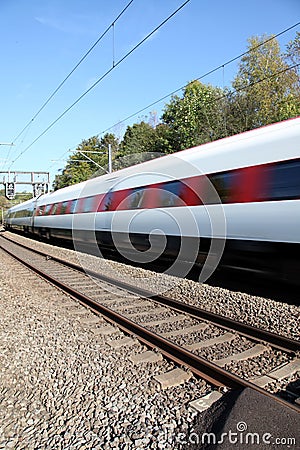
<point>213,347</point>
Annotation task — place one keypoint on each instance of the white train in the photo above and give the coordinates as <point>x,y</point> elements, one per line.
<point>234,202</point>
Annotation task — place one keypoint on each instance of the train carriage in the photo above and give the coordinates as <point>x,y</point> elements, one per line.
<point>236,200</point>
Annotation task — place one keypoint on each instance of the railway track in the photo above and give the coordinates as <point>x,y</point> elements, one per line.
<point>206,343</point>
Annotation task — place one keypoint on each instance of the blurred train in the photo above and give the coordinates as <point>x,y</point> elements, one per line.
<point>233,203</point>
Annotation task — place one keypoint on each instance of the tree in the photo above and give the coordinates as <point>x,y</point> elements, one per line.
<point>4,203</point>
<point>109,139</point>
<point>266,88</point>
<point>140,143</point>
<point>195,118</point>
<point>292,57</point>
<point>162,142</point>
<point>83,165</point>
<point>138,138</point>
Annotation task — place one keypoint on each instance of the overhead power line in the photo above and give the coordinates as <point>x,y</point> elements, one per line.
<point>68,76</point>
<point>205,75</point>
<point>73,70</point>
<point>114,66</point>
<point>199,78</point>
<point>242,88</point>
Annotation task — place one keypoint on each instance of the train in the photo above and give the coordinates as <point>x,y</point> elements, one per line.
<point>231,203</point>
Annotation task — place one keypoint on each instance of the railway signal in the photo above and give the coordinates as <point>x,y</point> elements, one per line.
<point>39,189</point>
<point>38,180</point>
<point>10,190</point>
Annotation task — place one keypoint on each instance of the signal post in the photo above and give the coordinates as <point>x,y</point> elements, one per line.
<point>39,181</point>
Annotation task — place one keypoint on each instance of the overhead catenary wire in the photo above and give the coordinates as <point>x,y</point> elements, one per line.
<point>242,88</point>
<point>73,70</point>
<point>210,72</point>
<point>114,66</point>
<point>221,66</point>
<point>253,83</point>
<point>112,25</point>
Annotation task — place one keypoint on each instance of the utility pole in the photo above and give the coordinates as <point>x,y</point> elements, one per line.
<point>83,153</point>
<point>109,159</point>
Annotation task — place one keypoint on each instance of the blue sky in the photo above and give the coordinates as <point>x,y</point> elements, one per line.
<point>41,42</point>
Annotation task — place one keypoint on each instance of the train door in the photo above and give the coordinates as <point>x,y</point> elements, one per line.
<point>32,217</point>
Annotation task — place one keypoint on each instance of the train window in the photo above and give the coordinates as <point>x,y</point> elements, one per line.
<point>54,208</point>
<point>166,199</point>
<point>170,194</point>
<point>223,183</point>
<point>107,202</point>
<point>41,210</point>
<point>119,199</point>
<point>30,210</point>
<point>73,206</point>
<point>135,199</point>
<point>47,210</point>
<point>283,180</point>
<point>173,187</point>
<point>191,190</point>
<point>88,204</point>
<point>63,208</point>
<point>247,185</point>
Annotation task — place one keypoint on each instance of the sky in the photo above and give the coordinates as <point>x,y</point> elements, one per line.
<point>42,41</point>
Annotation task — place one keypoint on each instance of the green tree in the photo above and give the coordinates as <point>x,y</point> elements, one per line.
<point>195,118</point>
<point>292,57</point>
<point>83,165</point>
<point>101,159</point>
<point>138,138</point>
<point>267,90</point>
<point>141,142</point>
<point>4,203</point>
<point>162,139</point>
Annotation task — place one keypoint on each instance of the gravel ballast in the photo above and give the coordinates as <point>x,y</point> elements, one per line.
<point>64,387</point>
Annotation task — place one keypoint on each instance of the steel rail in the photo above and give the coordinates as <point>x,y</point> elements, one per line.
<point>198,365</point>
<point>275,340</point>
